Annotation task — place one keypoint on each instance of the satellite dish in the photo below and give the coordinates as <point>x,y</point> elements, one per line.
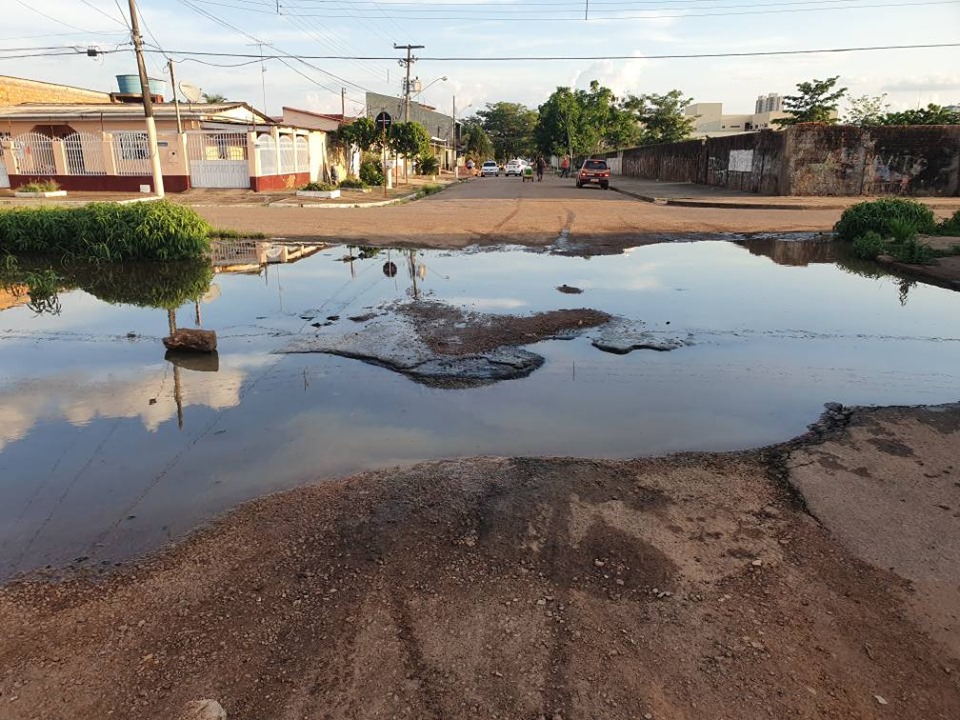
<point>191,92</point>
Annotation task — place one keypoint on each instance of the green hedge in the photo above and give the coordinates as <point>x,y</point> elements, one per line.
<point>876,215</point>
<point>106,232</point>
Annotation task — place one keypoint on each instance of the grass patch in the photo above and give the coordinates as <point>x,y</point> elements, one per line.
<point>319,187</point>
<point>106,232</point>
<point>869,245</point>
<point>225,234</point>
<point>429,189</point>
<point>950,226</point>
<point>39,186</point>
<point>353,184</point>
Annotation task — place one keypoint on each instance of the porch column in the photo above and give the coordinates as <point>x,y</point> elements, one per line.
<point>9,158</point>
<point>275,134</point>
<point>59,157</point>
<point>109,158</point>
<point>253,157</point>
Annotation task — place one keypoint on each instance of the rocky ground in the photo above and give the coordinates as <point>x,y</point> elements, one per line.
<point>694,586</point>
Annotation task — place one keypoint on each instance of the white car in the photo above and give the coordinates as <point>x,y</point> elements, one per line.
<point>514,167</point>
<point>490,167</point>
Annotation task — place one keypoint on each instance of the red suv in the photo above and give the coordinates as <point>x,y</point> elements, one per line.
<point>594,171</point>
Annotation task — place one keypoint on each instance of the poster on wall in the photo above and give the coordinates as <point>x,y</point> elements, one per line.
<point>740,161</point>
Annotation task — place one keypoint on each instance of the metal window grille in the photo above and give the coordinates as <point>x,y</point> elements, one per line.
<point>84,154</point>
<point>34,153</point>
<point>287,154</point>
<point>132,152</point>
<point>267,153</point>
<point>303,154</point>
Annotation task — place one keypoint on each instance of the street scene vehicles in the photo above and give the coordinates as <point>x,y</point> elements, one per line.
<point>594,171</point>
<point>514,167</point>
<point>490,167</point>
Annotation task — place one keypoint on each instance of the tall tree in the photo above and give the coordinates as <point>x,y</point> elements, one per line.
<point>662,117</point>
<point>582,122</point>
<point>362,132</point>
<point>866,110</point>
<point>816,102</point>
<point>475,141</point>
<point>510,127</point>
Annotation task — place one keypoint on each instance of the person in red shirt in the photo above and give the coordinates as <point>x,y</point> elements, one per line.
<point>565,167</point>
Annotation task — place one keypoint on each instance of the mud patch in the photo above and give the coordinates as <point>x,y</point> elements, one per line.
<point>890,447</point>
<point>624,336</point>
<point>443,346</point>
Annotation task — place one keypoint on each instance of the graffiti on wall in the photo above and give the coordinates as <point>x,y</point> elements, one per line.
<point>892,174</point>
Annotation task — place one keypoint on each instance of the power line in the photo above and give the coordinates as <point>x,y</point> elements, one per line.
<point>574,58</point>
<point>512,13</point>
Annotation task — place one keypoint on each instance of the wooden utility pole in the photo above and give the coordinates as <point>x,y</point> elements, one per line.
<point>147,100</point>
<point>343,103</point>
<point>406,87</point>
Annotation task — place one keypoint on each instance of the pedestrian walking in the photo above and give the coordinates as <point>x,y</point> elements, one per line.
<point>541,165</point>
<point>565,166</point>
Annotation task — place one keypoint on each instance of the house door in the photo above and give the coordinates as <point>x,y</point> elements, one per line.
<point>218,159</point>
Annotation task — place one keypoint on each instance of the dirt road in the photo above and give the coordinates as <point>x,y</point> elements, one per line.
<point>692,587</point>
<point>524,213</point>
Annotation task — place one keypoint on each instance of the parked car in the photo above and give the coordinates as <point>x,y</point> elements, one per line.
<point>514,167</point>
<point>490,167</point>
<point>594,171</point>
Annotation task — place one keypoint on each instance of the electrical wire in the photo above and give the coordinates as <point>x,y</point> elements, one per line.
<point>564,58</point>
<point>105,14</point>
<point>51,17</point>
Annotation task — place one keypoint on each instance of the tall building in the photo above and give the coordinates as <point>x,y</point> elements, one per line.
<point>771,102</point>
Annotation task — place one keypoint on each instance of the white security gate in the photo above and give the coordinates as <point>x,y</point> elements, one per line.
<point>218,159</point>
<point>4,178</point>
<point>132,153</point>
<point>34,154</point>
<point>84,154</point>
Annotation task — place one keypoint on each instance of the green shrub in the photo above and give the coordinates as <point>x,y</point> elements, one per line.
<point>429,189</point>
<point>913,252</point>
<point>869,245</point>
<point>352,184</point>
<point>429,165</point>
<point>902,230</point>
<point>877,215</point>
<point>319,187</point>
<point>37,186</point>
<point>371,172</point>
<point>950,226</point>
<point>106,232</point>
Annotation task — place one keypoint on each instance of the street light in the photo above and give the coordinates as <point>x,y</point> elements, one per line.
<point>422,90</point>
<point>456,168</point>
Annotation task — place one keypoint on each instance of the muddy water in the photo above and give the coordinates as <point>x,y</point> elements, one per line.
<point>107,447</point>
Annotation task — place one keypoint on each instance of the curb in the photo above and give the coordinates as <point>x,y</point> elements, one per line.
<point>736,205</point>
<point>338,206</point>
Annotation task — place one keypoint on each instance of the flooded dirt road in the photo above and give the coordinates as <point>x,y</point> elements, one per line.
<point>535,565</point>
<point>691,588</point>
<point>111,447</point>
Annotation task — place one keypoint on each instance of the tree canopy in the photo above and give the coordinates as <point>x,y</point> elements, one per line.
<point>583,122</point>
<point>661,117</point>
<point>362,132</point>
<point>930,115</point>
<point>510,127</point>
<point>816,102</point>
<point>213,98</point>
<point>475,141</point>
<point>409,139</point>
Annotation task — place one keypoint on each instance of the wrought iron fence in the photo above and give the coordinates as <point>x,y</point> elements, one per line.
<point>84,154</point>
<point>34,154</point>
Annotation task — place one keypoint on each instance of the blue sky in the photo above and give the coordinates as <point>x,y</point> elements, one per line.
<point>492,28</point>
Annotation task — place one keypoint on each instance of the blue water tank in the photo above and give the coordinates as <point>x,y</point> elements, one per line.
<point>131,84</point>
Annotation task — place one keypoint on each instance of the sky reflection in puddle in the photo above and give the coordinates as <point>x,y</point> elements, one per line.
<point>94,461</point>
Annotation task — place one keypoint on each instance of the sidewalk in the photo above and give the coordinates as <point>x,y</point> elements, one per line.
<point>693,195</point>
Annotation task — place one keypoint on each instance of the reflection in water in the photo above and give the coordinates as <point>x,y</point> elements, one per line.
<point>97,426</point>
<point>786,252</point>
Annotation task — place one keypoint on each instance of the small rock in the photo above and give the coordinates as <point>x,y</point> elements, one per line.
<point>647,716</point>
<point>880,700</point>
<point>204,710</point>
<point>833,406</point>
<point>757,563</point>
<point>192,340</point>
<point>569,289</point>
<point>599,563</point>
<point>771,511</point>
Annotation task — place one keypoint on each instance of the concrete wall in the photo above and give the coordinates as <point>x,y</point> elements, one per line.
<point>813,160</point>
<point>15,91</point>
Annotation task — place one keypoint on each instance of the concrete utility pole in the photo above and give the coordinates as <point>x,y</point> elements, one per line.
<point>176,102</point>
<point>406,87</point>
<point>147,100</point>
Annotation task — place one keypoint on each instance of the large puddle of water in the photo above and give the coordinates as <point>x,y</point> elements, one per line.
<point>107,448</point>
